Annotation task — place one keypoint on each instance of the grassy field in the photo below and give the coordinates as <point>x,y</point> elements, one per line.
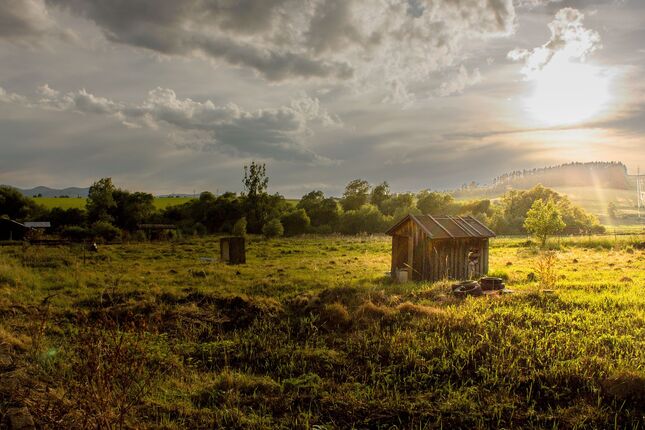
<point>79,202</point>
<point>310,333</point>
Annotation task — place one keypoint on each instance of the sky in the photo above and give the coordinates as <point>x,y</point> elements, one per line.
<point>171,96</point>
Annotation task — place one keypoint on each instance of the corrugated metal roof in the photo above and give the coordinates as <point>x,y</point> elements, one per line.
<point>447,227</point>
<point>38,224</point>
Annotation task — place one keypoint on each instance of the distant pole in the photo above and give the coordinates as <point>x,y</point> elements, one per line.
<point>638,191</point>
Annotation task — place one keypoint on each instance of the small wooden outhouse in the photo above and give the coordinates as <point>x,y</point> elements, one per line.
<point>232,250</point>
<point>430,248</point>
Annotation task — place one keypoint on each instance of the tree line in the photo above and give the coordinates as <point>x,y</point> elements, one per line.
<point>113,213</point>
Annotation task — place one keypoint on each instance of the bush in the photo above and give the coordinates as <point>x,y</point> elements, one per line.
<point>239,228</point>
<point>105,231</point>
<point>273,228</point>
<point>199,229</point>
<point>295,222</point>
<point>367,219</point>
<point>76,233</point>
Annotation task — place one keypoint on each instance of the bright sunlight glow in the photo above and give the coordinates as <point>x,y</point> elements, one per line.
<point>567,93</point>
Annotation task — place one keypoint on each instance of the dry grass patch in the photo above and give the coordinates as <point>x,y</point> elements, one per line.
<point>335,315</point>
<point>369,311</point>
<point>409,308</point>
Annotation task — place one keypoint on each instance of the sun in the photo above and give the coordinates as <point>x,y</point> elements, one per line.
<point>567,93</point>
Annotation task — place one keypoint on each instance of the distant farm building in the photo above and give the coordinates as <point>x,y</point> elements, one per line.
<point>12,230</point>
<point>427,248</point>
<point>42,225</point>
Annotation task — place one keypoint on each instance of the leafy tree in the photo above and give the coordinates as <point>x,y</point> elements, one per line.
<point>508,217</point>
<point>356,194</point>
<point>273,228</point>
<point>105,231</point>
<point>295,222</point>
<point>61,218</point>
<point>380,194</point>
<point>321,210</point>
<point>100,200</point>
<point>367,219</point>
<point>435,203</point>
<point>239,228</point>
<point>399,204</point>
<point>257,204</point>
<point>131,209</point>
<point>543,220</point>
<point>16,206</point>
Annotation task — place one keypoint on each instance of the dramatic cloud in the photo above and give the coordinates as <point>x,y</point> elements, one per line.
<point>28,21</point>
<point>278,134</point>
<point>570,40</point>
<point>394,41</point>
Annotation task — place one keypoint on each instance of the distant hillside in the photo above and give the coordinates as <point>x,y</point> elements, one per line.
<point>591,185</point>
<point>608,175</point>
<point>52,192</point>
<point>596,174</point>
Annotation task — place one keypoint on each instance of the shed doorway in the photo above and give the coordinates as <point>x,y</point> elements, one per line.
<point>402,251</point>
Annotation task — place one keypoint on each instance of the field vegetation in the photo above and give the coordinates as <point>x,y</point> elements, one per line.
<point>311,333</point>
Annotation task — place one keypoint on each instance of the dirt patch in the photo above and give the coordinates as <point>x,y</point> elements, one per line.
<point>626,386</point>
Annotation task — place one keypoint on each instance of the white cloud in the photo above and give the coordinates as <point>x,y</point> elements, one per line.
<point>278,133</point>
<point>570,40</point>
<point>460,82</point>
<point>6,97</point>
<point>369,42</point>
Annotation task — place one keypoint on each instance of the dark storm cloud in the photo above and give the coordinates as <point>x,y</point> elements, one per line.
<point>28,21</point>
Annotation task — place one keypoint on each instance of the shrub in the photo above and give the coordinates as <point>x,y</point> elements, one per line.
<point>367,219</point>
<point>273,228</point>
<point>295,222</point>
<point>545,269</point>
<point>199,229</point>
<point>76,233</point>
<point>105,231</point>
<point>239,228</point>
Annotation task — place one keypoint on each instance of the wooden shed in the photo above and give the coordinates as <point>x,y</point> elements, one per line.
<point>443,247</point>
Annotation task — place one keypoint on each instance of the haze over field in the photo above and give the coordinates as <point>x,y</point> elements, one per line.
<point>172,97</point>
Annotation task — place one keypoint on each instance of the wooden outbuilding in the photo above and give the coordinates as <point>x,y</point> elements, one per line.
<point>429,248</point>
<point>12,230</point>
<point>232,250</point>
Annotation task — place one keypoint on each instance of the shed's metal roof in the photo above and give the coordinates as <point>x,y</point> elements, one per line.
<point>38,224</point>
<point>447,227</point>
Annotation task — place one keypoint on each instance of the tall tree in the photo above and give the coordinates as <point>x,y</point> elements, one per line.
<point>356,194</point>
<point>16,206</point>
<point>380,193</point>
<point>257,201</point>
<point>100,200</point>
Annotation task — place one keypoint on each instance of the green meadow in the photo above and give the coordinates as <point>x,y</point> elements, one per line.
<point>160,203</point>
<point>79,202</point>
<point>311,333</point>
